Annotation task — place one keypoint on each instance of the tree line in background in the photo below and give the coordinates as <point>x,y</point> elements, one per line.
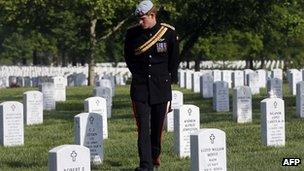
<point>74,32</point>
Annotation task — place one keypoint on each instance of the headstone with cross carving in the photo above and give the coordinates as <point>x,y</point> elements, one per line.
<point>105,92</point>
<point>60,84</point>
<point>11,121</point>
<point>88,132</point>
<point>275,86</point>
<point>208,150</point>
<point>206,89</point>
<point>98,105</point>
<point>186,122</point>
<point>242,104</point>
<point>273,122</point>
<point>237,78</point>
<point>300,99</point>
<point>48,91</point>
<point>33,107</point>
<point>220,96</point>
<point>69,157</point>
<point>177,101</point>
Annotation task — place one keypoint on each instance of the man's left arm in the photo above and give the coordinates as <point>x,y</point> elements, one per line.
<point>173,56</point>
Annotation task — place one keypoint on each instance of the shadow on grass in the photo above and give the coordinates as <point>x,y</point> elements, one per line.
<point>61,115</point>
<point>18,164</point>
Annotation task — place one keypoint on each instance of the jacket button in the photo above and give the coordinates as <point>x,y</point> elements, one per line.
<point>149,65</point>
<point>149,76</point>
<point>150,56</point>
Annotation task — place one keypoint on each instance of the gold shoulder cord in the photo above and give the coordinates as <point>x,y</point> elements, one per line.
<point>151,41</point>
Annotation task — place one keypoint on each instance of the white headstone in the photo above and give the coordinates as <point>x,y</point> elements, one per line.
<point>188,79</point>
<point>98,105</point>
<point>69,157</point>
<point>60,88</point>
<point>253,82</point>
<point>11,121</point>
<point>242,104</point>
<point>277,73</point>
<point>208,150</point>
<point>33,107</point>
<point>186,122</point>
<point>48,91</point>
<point>217,76</point>
<point>105,92</point>
<point>177,101</point>
<point>220,96</point>
<point>273,122</point>
<point>196,82</point>
<point>88,132</point>
<point>181,78</point>
<point>226,76</point>
<point>295,77</point>
<point>207,86</point>
<point>237,78</point>
<point>262,77</point>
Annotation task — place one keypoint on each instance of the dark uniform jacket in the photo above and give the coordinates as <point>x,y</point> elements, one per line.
<point>153,70</point>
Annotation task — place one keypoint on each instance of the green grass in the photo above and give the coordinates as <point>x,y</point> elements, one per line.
<point>244,148</point>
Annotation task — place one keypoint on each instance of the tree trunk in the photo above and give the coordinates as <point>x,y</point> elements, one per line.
<point>35,58</point>
<point>91,52</point>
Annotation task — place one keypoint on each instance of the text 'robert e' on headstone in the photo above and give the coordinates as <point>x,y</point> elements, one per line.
<point>273,122</point>
<point>88,132</point>
<point>208,150</point>
<point>69,157</point>
<point>11,121</point>
<point>186,122</point>
<point>33,107</point>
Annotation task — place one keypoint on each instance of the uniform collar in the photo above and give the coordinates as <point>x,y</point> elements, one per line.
<point>154,29</point>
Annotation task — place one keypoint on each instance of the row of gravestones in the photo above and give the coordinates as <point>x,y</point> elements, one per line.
<point>32,77</point>
<point>203,81</point>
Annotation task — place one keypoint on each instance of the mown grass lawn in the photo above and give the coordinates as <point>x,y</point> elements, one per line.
<point>244,148</point>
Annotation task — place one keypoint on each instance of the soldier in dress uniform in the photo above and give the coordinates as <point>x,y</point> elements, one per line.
<point>151,53</point>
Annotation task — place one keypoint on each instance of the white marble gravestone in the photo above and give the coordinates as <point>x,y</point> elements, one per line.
<point>88,132</point>
<point>48,91</point>
<point>220,96</point>
<point>11,121</point>
<point>242,104</point>
<point>105,92</point>
<point>208,150</point>
<point>196,82</point>
<point>186,122</point>
<point>237,78</point>
<point>300,99</point>
<point>295,77</point>
<point>33,107</point>
<point>206,89</point>
<point>177,101</point>
<point>69,158</point>
<point>246,72</point>
<point>98,105</point>
<point>262,77</point>
<point>60,84</point>
<point>253,82</point>
<point>188,79</point>
<point>273,122</point>
<point>277,73</point>
<point>275,85</point>
<point>181,78</point>
<point>226,76</point>
<point>217,76</point>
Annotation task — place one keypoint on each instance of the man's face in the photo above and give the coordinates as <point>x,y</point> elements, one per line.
<point>147,21</point>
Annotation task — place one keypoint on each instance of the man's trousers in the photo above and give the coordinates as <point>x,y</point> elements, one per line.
<point>149,121</point>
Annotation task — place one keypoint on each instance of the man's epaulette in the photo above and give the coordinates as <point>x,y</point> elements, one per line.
<point>167,25</point>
